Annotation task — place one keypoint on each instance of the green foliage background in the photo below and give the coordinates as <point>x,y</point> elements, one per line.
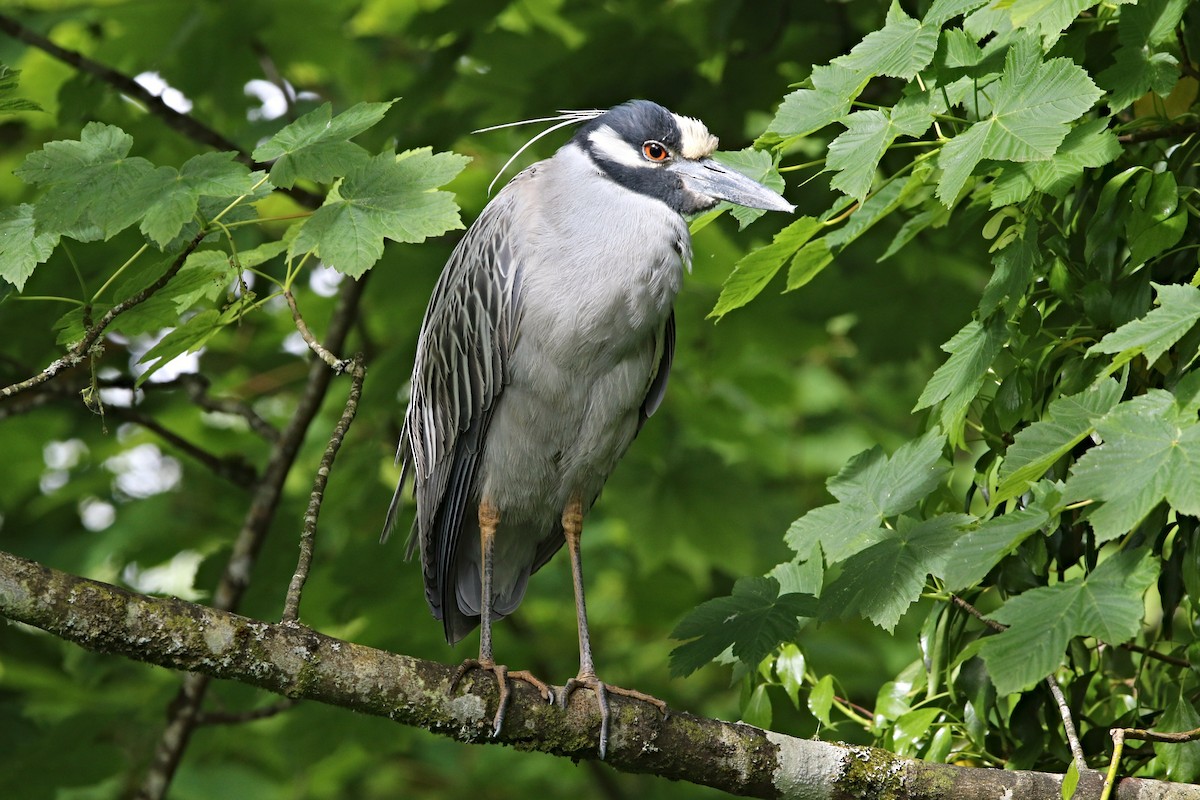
<point>1035,305</point>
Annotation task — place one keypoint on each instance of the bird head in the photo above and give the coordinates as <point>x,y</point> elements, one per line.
<point>650,150</point>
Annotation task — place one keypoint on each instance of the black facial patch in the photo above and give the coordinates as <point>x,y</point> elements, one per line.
<point>635,123</point>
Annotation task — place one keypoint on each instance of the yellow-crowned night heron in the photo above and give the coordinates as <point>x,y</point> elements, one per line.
<point>545,347</point>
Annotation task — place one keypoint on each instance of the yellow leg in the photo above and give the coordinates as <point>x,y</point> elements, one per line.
<point>489,521</point>
<point>572,522</point>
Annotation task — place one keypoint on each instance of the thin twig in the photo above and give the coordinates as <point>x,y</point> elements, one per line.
<point>184,709</point>
<point>1164,657</point>
<point>77,353</point>
<point>1166,132</point>
<point>1177,737</point>
<point>291,607</point>
<point>338,365</point>
<point>1110,777</point>
<point>183,123</point>
<point>253,715</point>
<point>232,468</point>
<point>1064,711</point>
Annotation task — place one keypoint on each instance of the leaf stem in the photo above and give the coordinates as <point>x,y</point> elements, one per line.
<point>128,262</point>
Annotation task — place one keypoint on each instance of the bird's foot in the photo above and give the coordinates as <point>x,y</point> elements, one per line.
<point>503,676</point>
<point>602,690</point>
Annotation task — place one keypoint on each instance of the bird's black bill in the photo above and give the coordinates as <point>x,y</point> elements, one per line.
<point>712,178</point>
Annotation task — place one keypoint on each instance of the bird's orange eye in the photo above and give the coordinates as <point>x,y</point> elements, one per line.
<point>655,151</point>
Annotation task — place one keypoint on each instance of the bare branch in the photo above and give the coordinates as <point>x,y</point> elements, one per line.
<point>291,607</point>
<point>239,717</point>
<point>338,365</point>
<point>185,708</point>
<point>301,663</point>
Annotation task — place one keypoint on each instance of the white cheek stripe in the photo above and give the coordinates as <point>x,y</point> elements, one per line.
<point>614,148</point>
<point>697,141</point>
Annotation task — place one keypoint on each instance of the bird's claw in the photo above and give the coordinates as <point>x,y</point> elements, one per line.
<point>602,690</point>
<point>503,676</point>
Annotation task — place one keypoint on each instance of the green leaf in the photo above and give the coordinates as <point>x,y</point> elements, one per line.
<point>187,338</point>
<point>855,154</point>
<point>179,193</point>
<point>870,488</point>
<point>808,263</point>
<point>754,271</point>
<point>1152,335</point>
<point>95,188</point>
<point>382,198</point>
<point>910,729</point>
<point>1156,222</point>
<point>900,49</point>
<point>1151,453</point>
<point>1031,106</point>
<point>1087,146</point>
<point>942,11</point>
<point>1182,759</point>
<point>9,78</point>
<point>1071,780</point>
<point>1047,17</point>
<point>758,708</point>
<point>820,700</point>
<point>789,666</point>
<point>1065,424</point>
<point>753,621</point>
<point>806,110</point>
<point>956,383</point>
<point>1140,66</point>
<point>975,553</point>
<point>317,146</point>
<point>1106,604</point>
<point>22,248</point>
<point>1015,264</point>
<point>882,581</point>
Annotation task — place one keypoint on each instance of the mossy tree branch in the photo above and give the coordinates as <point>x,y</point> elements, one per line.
<point>301,663</point>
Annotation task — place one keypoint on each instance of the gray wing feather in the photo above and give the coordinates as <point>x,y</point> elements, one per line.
<point>658,386</point>
<point>458,375</point>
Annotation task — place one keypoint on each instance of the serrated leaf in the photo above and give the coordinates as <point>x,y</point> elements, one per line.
<point>870,488</point>
<point>1030,108</point>
<point>22,248</point>
<point>316,146</point>
<point>758,708</point>
<point>882,581</point>
<point>1047,17</point>
<point>975,553</point>
<point>943,11</point>
<point>753,621</point>
<point>1014,269</point>
<point>754,271</point>
<point>1140,66</point>
<point>900,49</point>
<point>1065,424</point>
<point>1107,605</point>
<point>1087,146</point>
<point>1150,453</point>
<point>179,192</point>
<point>382,198</point>
<point>94,187</point>
<point>1152,335</point>
<point>956,383</point>
<point>808,263</point>
<point>806,110</point>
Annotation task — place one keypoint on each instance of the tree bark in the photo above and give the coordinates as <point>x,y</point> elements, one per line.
<point>298,662</point>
